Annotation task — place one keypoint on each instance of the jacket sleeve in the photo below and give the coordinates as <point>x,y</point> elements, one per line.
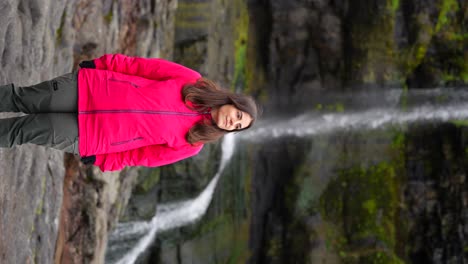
<point>149,156</point>
<point>150,68</point>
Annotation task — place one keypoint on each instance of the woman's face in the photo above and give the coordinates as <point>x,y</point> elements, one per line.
<point>228,117</point>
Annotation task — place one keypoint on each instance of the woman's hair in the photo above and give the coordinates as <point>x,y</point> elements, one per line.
<point>205,95</point>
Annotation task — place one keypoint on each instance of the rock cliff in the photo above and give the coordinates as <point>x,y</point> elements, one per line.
<point>40,40</point>
<point>306,47</point>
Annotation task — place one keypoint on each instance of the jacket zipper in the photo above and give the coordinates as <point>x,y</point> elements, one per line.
<point>137,111</point>
<point>123,81</point>
<point>126,141</point>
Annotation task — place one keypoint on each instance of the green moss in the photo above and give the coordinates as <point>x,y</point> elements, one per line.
<point>212,224</point>
<point>455,67</point>
<point>447,36</point>
<point>447,8</point>
<point>33,228</point>
<point>59,31</point>
<point>334,107</point>
<point>108,17</point>
<point>362,203</point>
<point>460,123</point>
<point>241,29</point>
<point>398,140</point>
<point>371,206</point>
<point>452,36</point>
<point>40,206</point>
<point>149,181</point>
<point>34,256</point>
<point>376,59</point>
<point>410,58</point>
<point>240,67</point>
<point>339,107</point>
<point>394,5</point>
<point>374,50</point>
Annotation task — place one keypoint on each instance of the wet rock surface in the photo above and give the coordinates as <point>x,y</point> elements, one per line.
<point>307,47</point>
<point>40,40</point>
<point>91,206</point>
<point>437,196</point>
<point>362,199</point>
<point>30,199</point>
<point>30,177</point>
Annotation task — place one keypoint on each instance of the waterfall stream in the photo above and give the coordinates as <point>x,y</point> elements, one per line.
<point>171,215</point>
<point>315,123</point>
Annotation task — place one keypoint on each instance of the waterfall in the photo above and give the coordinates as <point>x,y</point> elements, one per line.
<point>173,215</point>
<point>315,123</point>
<point>366,109</point>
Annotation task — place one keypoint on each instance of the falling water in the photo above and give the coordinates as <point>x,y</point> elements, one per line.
<point>394,107</point>
<point>173,215</point>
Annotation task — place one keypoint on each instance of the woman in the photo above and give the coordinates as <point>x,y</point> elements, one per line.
<point>131,112</point>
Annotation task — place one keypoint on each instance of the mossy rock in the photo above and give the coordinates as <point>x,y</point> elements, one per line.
<point>363,203</point>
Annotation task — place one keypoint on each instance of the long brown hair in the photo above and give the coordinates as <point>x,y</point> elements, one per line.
<point>205,95</point>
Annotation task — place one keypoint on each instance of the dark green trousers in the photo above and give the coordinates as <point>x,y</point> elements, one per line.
<point>51,109</point>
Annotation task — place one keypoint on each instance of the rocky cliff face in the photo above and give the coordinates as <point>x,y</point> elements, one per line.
<point>31,177</point>
<point>305,47</point>
<point>366,197</point>
<point>40,40</point>
<point>30,199</point>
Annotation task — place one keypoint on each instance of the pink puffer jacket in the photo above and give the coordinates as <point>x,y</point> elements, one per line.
<point>131,112</point>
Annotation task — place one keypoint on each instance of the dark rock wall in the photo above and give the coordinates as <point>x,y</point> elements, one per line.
<point>271,217</point>
<point>305,47</point>
<point>367,197</point>
<point>436,194</point>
